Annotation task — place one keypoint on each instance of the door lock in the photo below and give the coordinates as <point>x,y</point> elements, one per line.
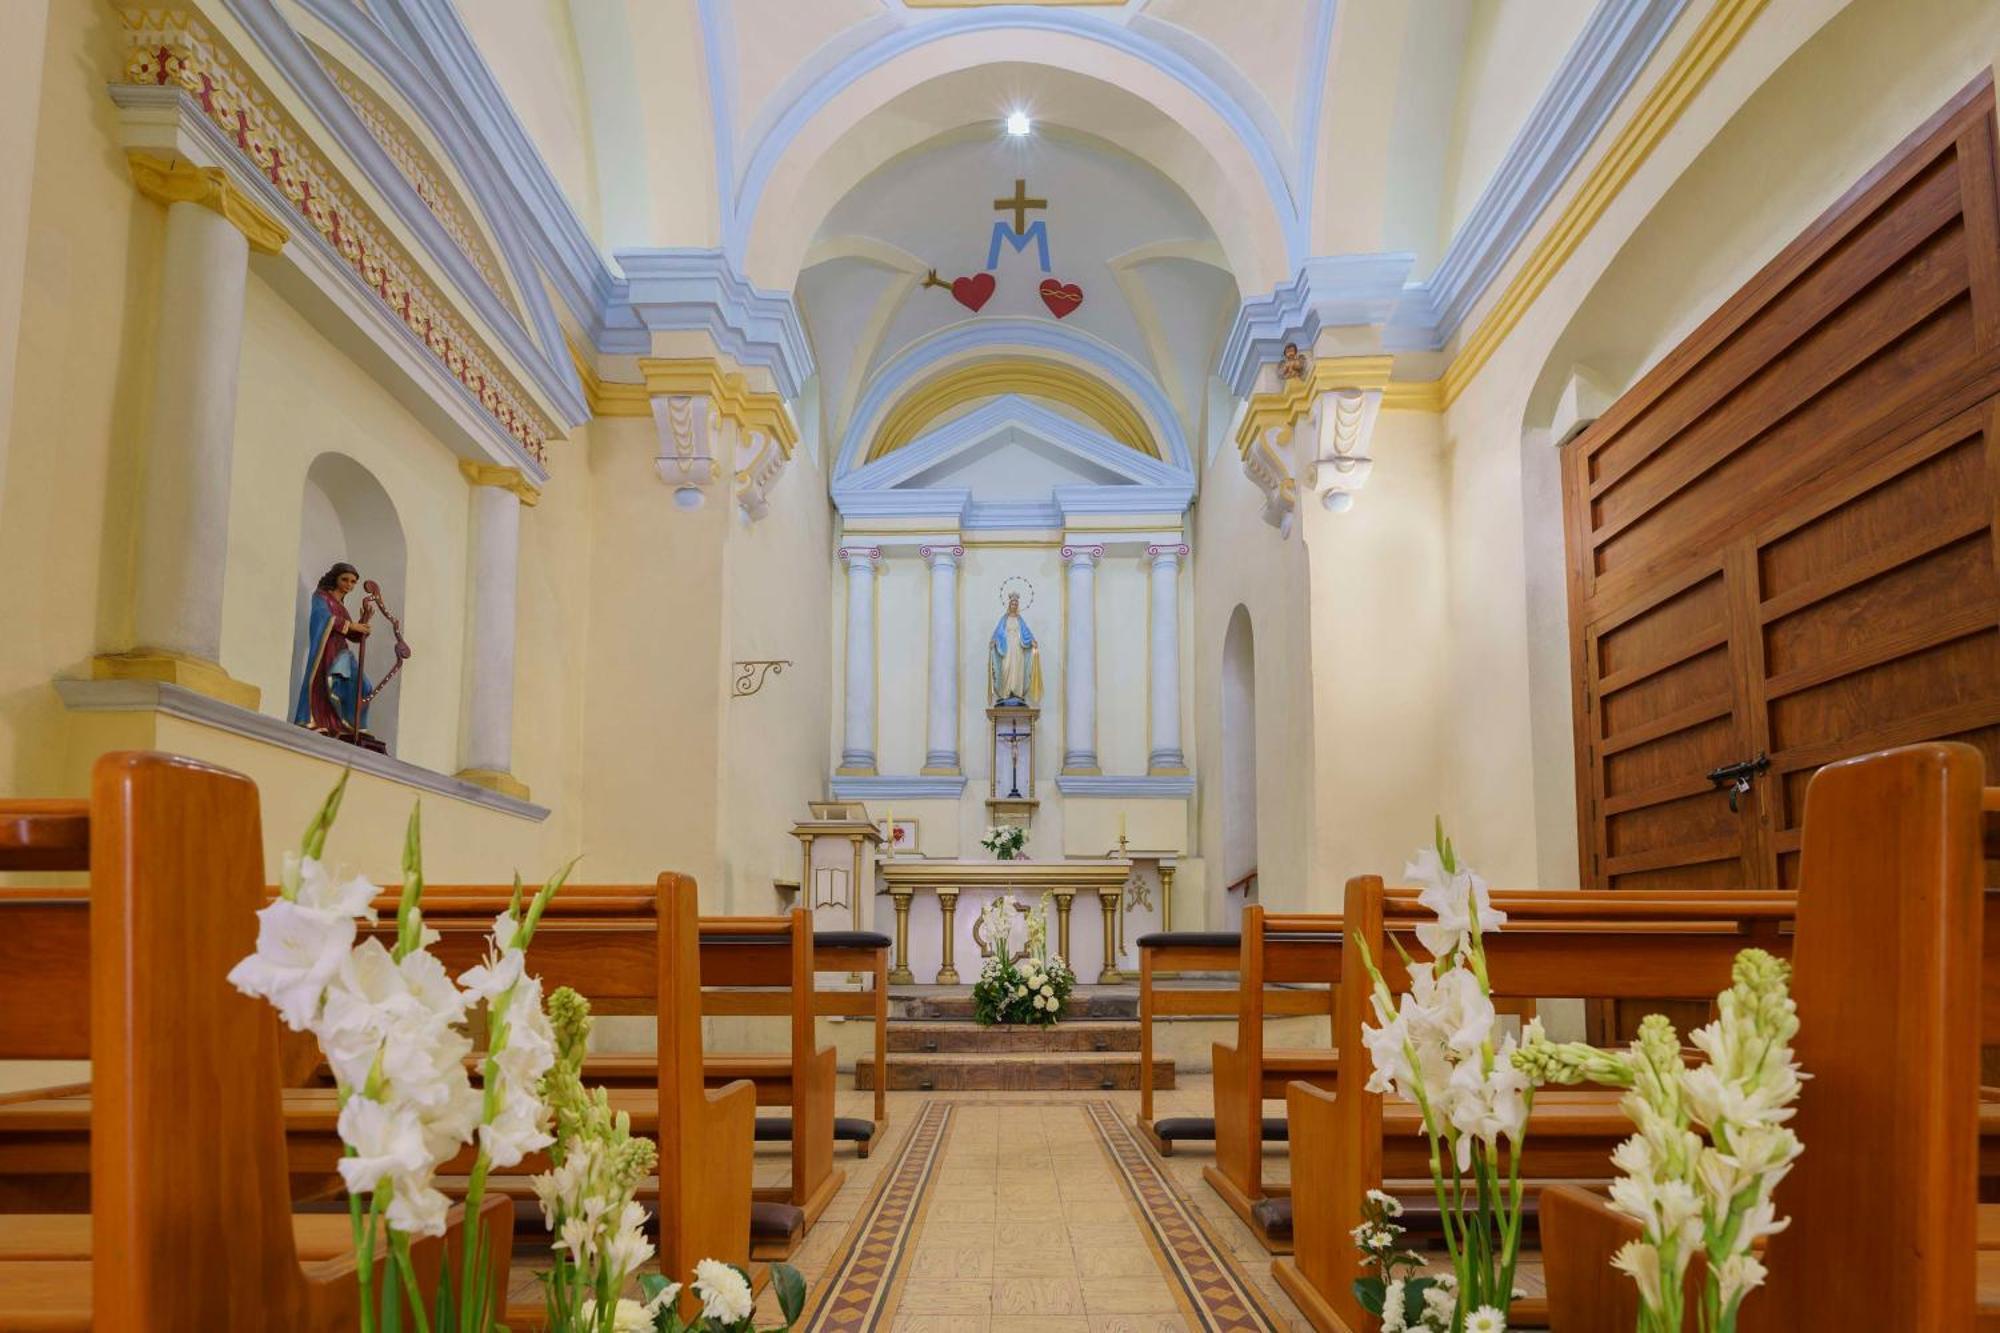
<point>1736,778</point>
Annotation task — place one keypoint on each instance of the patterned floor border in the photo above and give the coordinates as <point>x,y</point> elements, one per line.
<point>864,1283</point>
<point>1222,1296</point>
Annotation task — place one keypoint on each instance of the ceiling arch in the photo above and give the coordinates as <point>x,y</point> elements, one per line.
<point>827,143</point>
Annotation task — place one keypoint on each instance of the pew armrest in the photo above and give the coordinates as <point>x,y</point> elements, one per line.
<point>719,1188</point>
<point>1580,1233</point>
<point>1323,1255</point>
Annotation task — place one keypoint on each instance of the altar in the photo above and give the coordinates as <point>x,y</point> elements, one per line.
<point>940,901</point>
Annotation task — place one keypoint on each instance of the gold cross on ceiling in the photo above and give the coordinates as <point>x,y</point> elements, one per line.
<point>1019,204</point>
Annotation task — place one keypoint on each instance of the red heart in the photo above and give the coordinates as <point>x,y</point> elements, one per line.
<point>973,292</point>
<point>1062,298</point>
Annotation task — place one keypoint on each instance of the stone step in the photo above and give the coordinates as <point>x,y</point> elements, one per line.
<point>1014,1071</point>
<point>955,1006</point>
<point>946,1036</point>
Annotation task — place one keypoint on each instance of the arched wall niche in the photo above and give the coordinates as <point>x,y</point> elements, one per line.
<point>1239,764</point>
<point>1835,107</point>
<point>347,515</point>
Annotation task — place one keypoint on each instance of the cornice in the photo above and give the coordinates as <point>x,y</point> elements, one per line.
<point>729,394</point>
<point>701,291</point>
<point>177,55</point>
<point>506,478</point>
<point>179,181</point>
<point>1335,291</point>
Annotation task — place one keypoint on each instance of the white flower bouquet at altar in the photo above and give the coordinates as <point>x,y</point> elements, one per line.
<point>1030,987</point>
<point>1435,1047</point>
<point>1005,841</point>
<point>1688,1194</point>
<point>600,1238</point>
<point>391,1024</point>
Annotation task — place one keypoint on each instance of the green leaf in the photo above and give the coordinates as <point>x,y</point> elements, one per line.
<point>314,841</point>
<point>791,1288</point>
<point>1369,1291</point>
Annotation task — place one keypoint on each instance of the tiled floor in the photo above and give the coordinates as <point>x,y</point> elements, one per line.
<point>1020,1218</point>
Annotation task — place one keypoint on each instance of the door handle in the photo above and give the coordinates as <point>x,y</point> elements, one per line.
<point>1736,778</point>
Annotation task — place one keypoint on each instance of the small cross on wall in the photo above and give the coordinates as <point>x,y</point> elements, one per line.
<point>1019,206</point>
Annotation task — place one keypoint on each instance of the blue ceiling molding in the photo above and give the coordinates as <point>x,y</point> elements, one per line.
<point>817,83</point>
<point>1328,293</point>
<point>671,291</point>
<point>1614,46</point>
<point>997,335</point>
<point>1599,69</point>
<point>539,352</point>
<point>430,33</point>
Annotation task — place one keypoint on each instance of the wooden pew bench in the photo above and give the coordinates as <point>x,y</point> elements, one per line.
<point>1626,945</point>
<point>1171,954</point>
<point>625,952</point>
<point>1897,980</point>
<point>183,1160</point>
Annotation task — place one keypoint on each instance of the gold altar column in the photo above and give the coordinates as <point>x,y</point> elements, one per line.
<point>1063,898</point>
<point>1166,896</point>
<point>1108,900</point>
<point>899,975</point>
<point>947,975</point>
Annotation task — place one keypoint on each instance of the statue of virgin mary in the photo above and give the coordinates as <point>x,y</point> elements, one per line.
<point>1014,660</point>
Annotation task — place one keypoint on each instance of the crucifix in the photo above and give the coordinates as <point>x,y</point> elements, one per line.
<point>1015,732</point>
<point>1019,206</point>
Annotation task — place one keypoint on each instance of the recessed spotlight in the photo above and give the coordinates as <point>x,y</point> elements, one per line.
<point>1018,124</point>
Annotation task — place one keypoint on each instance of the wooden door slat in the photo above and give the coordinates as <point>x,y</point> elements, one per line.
<point>1679,720</point>
<point>1947,629</point>
<point>1876,563</point>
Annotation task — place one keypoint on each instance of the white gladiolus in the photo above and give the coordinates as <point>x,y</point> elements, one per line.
<point>416,1208</point>
<point>299,949</point>
<point>725,1296</point>
<point>386,1141</point>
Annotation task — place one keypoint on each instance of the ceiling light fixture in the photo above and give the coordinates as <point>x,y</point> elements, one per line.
<point>1018,124</point>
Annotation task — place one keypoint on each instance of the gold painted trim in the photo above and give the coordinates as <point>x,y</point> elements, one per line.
<point>1711,43</point>
<point>1290,404</point>
<point>506,478</point>
<point>178,181</point>
<point>728,392</point>
<point>494,780</point>
<point>190,673</point>
<point>1028,376</point>
<point>609,398</point>
<point>1413,396</point>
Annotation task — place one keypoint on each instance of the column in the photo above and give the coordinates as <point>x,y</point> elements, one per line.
<point>183,519</point>
<point>1165,659</point>
<point>487,749</point>
<point>1108,900</point>
<point>1080,661</point>
<point>857,751</point>
<point>941,745</point>
<point>947,974</point>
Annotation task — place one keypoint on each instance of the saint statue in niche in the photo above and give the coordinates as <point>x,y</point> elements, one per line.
<point>1014,660</point>
<point>334,695</point>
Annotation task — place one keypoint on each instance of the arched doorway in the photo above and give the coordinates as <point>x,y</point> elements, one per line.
<point>1239,768</point>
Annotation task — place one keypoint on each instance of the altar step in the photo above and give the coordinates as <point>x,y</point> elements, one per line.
<point>953,1004</point>
<point>949,1038</point>
<point>947,1054</point>
<point>1014,1071</point>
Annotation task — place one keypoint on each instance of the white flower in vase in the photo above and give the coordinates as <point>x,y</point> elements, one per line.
<point>725,1295</point>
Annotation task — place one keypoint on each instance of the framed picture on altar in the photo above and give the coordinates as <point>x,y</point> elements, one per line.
<point>901,839</point>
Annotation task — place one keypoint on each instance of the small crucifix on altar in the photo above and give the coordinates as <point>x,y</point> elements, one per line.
<point>1013,795</point>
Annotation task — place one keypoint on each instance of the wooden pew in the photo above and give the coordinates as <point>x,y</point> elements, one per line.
<point>841,951</point>
<point>1894,984</point>
<point>1284,965</point>
<point>186,1144</point>
<point>1346,1140</point>
<point>622,951</point>
<point>1170,954</point>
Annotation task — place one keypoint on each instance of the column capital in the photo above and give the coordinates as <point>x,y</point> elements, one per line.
<point>937,556</point>
<point>505,478</point>
<point>179,181</point>
<point>1171,554</point>
<point>756,427</point>
<point>867,556</point>
<point>1082,555</point>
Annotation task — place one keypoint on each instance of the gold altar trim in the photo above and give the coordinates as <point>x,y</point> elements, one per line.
<point>172,668</point>
<point>179,181</point>
<point>1290,404</point>
<point>916,875</point>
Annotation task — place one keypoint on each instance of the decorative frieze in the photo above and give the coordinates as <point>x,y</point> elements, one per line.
<point>170,48</point>
<point>421,170</point>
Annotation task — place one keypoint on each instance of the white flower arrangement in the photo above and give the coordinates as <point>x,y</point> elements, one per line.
<point>1030,987</point>
<point>1435,1047</point>
<point>390,1024</point>
<point>1688,1193</point>
<point>1005,841</point>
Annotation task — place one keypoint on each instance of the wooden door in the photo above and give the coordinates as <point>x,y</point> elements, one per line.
<point>1782,541</point>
